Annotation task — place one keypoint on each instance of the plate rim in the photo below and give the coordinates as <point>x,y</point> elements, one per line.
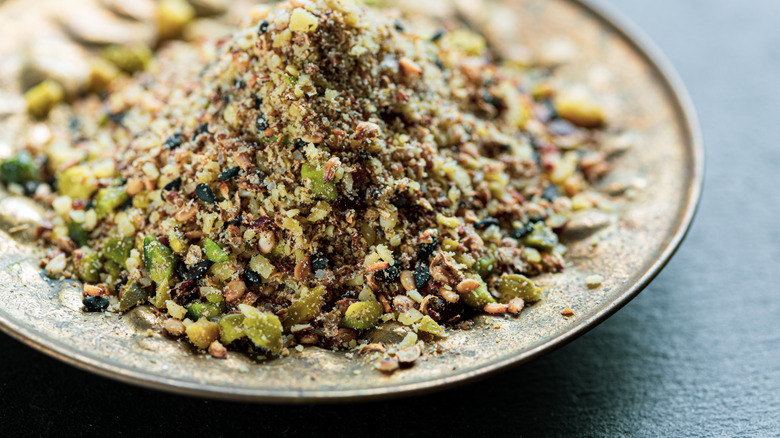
<point>670,80</point>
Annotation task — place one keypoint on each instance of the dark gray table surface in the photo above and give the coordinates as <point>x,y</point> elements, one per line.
<point>696,354</point>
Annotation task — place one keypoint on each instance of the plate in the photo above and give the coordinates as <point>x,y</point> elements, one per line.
<point>663,172</point>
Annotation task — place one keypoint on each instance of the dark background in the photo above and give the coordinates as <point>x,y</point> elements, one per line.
<point>696,354</point>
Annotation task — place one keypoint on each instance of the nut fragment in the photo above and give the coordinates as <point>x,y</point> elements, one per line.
<point>467,285</point>
<point>402,303</point>
<point>217,350</point>
<point>366,130</point>
<point>134,186</point>
<point>495,308</point>
<point>174,327</point>
<point>93,291</point>
<point>330,169</point>
<point>378,266</point>
<point>515,305</point>
<point>410,67</point>
<point>235,290</point>
<point>186,213</point>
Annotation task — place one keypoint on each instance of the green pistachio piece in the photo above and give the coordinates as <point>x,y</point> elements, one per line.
<point>109,199</point>
<point>518,286</point>
<point>214,252</point>
<point>478,297</point>
<point>88,266</point>
<point>319,189</point>
<point>231,328</point>
<point>18,169</point>
<point>362,315</point>
<point>306,307</point>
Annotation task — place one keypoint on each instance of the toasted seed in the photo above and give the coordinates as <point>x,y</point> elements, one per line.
<point>266,241</point>
<point>302,269</point>
<point>467,285</point>
<point>410,67</point>
<point>407,280</point>
<point>449,295</point>
<point>205,194</point>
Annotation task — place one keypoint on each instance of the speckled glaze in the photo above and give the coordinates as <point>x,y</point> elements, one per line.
<point>640,95</point>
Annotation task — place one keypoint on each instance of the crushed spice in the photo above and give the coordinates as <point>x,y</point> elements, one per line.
<point>326,168</point>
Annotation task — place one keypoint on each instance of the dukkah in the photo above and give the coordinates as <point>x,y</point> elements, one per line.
<point>310,177</point>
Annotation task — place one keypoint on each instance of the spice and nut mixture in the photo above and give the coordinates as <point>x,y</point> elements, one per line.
<point>311,177</point>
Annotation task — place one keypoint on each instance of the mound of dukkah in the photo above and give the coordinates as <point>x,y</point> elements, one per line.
<point>311,177</point>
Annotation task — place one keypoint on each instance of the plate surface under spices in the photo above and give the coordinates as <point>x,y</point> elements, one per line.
<point>627,246</point>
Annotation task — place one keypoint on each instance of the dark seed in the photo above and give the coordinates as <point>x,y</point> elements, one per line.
<point>491,100</point>
<point>319,262</point>
<point>174,141</point>
<point>399,26</point>
<point>257,102</point>
<point>252,276</point>
<point>422,274</point>
<point>200,130</point>
<point>263,27</point>
<point>229,174</point>
<point>261,122</point>
<point>239,84</point>
<point>439,64</point>
<point>204,193</point>
<point>173,185</point>
<point>299,144</point>
<point>438,35</point>
<point>237,221</point>
<point>519,233</point>
<point>95,304</point>
<point>484,223</point>
<point>30,187</point>
<point>426,249</point>
<point>198,270</point>
<point>550,192</point>
<point>118,118</point>
<point>401,201</point>
<point>389,275</point>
